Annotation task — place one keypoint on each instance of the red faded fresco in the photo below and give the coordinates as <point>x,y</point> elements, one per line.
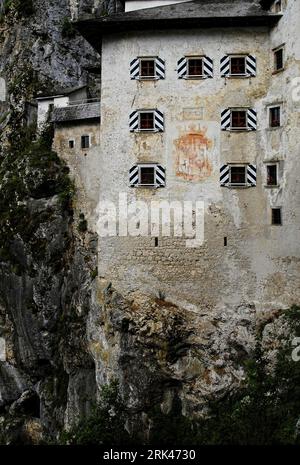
<point>193,149</point>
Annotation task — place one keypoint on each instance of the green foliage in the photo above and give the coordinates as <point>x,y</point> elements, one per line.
<point>24,8</point>
<point>30,170</point>
<point>105,426</point>
<point>67,29</point>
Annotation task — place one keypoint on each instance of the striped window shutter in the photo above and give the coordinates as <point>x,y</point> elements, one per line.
<point>134,121</point>
<point>160,176</point>
<point>160,68</point>
<point>225,66</point>
<point>224,175</point>
<point>158,121</point>
<point>208,68</point>
<point>251,175</point>
<point>134,176</point>
<point>182,68</point>
<point>225,119</point>
<point>135,68</point>
<point>251,65</point>
<point>251,119</point>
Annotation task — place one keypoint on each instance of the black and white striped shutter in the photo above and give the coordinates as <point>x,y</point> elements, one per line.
<point>134,176</point>
<point>135,68</point>
<point>251,175</point>
<point>224,175</point>
<point>160,68</point>
<point>225,66</point>
<point>251,119</point>
<point>158,121</point>
<point>225,119</point>
<point>251,65</point>
<point>134,121</point>
<point>182,67</point>
<point>208,68</point>
<point>160,176</point>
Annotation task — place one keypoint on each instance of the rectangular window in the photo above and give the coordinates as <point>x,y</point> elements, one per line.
<point>147,68</point>
<point>147,175</point>
<point>274,117</point>
<point>272,175</point>
<point>195,67</point>
<point>237,65</point>
<point>71,144</point>
<point>278,59</point>
<point>238,175</point>
<point>276,216</point>
<point>238,119</point>
<point>146,121</point>
<point>85,142</point>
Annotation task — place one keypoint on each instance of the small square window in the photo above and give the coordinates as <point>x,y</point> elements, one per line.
<point>147,175</point>
<point>147,68</point>
<point>276,216</point>
<point>238,119</point>
<point>278,59</point>
<point>85,142</point>
<point>147,121</point>
<point>71,144</point>
<point>237,65</point>
<point>195,67</point>
<point>238,175</point>
<point>274,117</point>
<point>272,177</point>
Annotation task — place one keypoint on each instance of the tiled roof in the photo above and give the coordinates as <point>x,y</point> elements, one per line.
<point>76,112</point>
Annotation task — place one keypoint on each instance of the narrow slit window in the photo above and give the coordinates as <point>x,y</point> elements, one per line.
<point>275,117</point>
<point>237,65</point>
<point>238,175</point>
<point>276,216</point>
<point>238,119</point>
<point>147,121</point>
<point>147,68</point>
<point>147,175</point>
<point>278,59</point>
<point>195,67</point>
<point>71,144</point>
<point>272,175</point>
<point>85,142</point>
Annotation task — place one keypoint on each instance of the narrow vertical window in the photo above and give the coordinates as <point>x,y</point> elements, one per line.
<point>85,142</point>
<point>274,118</point>
<point>278,59</point>
<point>276,216</point>
<point>272,177</point>
<point>71,144</point>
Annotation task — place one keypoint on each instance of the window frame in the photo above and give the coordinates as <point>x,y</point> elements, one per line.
<point>238,74</point>
<point>237,165</point>
<point>89,141</point>
<point>73,141</point>
<point>277,175</point>
<point>147,165</point>
<point>140,112</point>
<point>195,76</point>
<point>270,109</point>
<point>147,78</point>
<point>241,128</point>
<point>275,51</point>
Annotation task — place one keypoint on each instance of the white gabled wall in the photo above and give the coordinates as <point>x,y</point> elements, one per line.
<point>132,5</point>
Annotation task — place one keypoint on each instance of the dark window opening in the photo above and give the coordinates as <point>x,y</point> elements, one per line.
<point>238,175</point>
<point>85,142</point>
<point>195,67</point>
<point>147,175</point>
<point>147,68</point>
<point>275,117</point>
<point>225,241</point>
<point>276,216</point>
<point>272,175</point>
<point>238,119</point>
<point>71,144</point>
<point>278,59</point>
<point>156,242</point>
<point>146,121</point>
<point>237,65</point>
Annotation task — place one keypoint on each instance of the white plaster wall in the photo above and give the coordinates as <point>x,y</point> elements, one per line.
<point>131,5</point>
<point>261,264</point>
<point>43,108</point>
